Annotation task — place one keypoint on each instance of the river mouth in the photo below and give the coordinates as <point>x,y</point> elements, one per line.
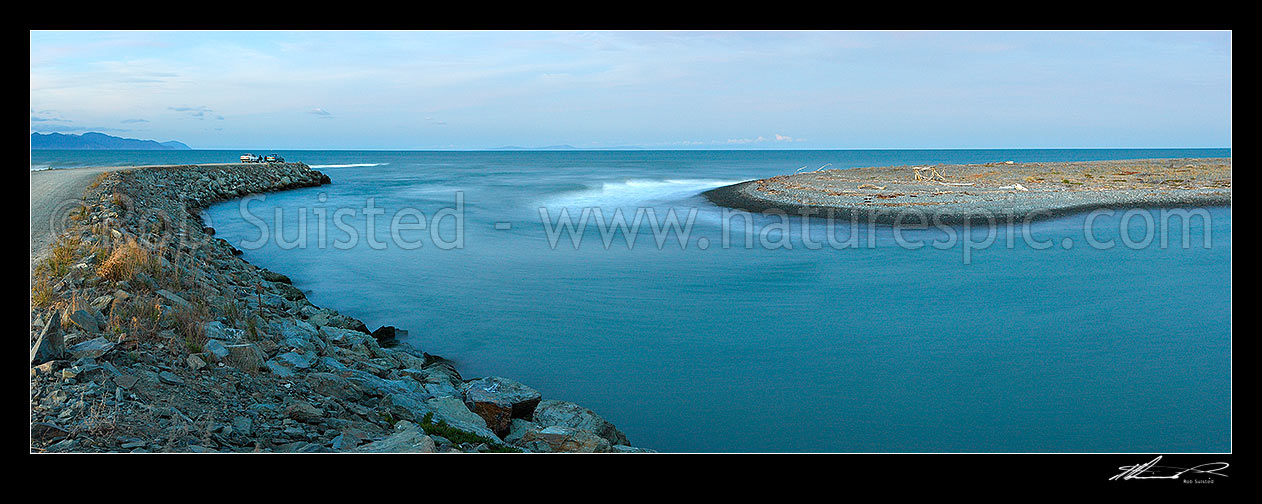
<point>777,346</point>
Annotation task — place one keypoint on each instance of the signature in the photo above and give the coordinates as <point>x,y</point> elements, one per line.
<point>1151,470</point>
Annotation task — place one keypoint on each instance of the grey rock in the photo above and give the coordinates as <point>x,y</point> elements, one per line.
<point>630,449</point>
<point>559,439</point>
<point>498,400</point>
<point>456,414</point>
<point>280,370</point>
<point>195,363</point>
<point>47,432</point>
<point>343,337</point>
<point>50,345</point>
<point>216,330</point>
<point>246,356</point>
<point>567,414</point>
<point>407,438</point>
<point>217,349</point>
<point>170,378</point>
<point>93,348</point>
<point>84,320</point>
<point>295,360</point>
<point>314,448</point>
<point>273,276</point>
<point>376,386</point>
<point>243,425</point>
<point>174,298</point>
<point>518,428</point>
<point>303,411</point>
<point>333,385</point>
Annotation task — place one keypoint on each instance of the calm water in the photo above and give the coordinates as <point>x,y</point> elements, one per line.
<point>768,348</point>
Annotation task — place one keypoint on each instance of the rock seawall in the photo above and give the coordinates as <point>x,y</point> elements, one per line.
<point>148,334</point>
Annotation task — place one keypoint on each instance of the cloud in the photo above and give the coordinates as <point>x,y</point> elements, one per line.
<point>774,138</point>
<point>46,115</point>
<point>324,114</point>
<point>431,120</point>
<point>133,121</point>
<point>200,112</point>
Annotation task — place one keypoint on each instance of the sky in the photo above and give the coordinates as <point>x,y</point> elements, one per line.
<point>656,90</point>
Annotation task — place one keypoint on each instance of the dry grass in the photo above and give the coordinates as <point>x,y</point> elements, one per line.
<point>190,322</point>
<point>101,419</point>
<point>97,181</point>
<point>125,261</point>
<point>42,294</point>
<point>61,256</point>
<point>139,316</point>
<point>79,214</point>
<point>68,306</point>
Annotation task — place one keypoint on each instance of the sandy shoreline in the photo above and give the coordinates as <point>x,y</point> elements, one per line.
<point>977,193</point>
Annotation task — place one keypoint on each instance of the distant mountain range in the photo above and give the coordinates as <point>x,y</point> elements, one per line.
<point>98,141</point>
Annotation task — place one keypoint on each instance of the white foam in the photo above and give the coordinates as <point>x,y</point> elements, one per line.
<point>636,192</point>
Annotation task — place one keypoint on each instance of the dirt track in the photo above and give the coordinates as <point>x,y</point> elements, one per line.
<point>54,194</point>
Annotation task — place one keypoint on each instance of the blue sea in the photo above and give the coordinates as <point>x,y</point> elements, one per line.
<point>735,333</point>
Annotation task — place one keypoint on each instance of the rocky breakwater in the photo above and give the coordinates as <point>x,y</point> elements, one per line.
<point>148,334</point>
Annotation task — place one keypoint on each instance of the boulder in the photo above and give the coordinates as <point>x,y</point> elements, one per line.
<point>517,429</point>
<point>411,407</point>
<point>567,414</point>
<point>93,348</point>
<point>456,414</point>
<point>630,449</point>
<point>245,356</point>
<point>558,439</point>
<point>218,331</point>
<point>217,349</point>
<point>47,432</point>
<point>388,336</point>
<point>273,276</point>
<point>50,345</point>
<point>303,411</point>
<point>175,299</point>
<point>498,400</point>
<point>293,361</point>
<point>170,378</point>
<point>84,320</point>
<point>407,438</point>
<point>288,292</point>
<point>333,385</point>
<point>344,338</point>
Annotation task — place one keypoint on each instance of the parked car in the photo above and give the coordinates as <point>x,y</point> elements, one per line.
<point>274,158</point>
<point>251,158</point>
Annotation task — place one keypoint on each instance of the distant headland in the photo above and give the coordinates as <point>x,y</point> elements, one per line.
<point>98,141</point>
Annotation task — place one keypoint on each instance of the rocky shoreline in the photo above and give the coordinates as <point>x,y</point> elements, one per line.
<point>984,193</point>
<point>148,334</point>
